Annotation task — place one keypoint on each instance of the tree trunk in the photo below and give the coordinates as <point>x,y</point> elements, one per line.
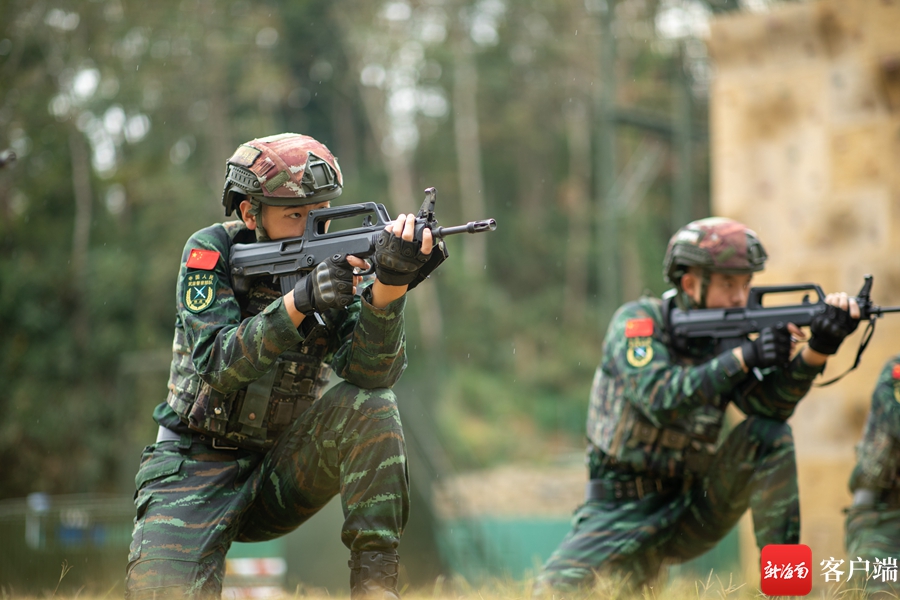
<point>576,202</point>
<point>398,166</point>
<point>468,150</point>
<point>81,235</point>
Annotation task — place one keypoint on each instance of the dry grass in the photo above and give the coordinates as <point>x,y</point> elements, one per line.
<point>712,588</point>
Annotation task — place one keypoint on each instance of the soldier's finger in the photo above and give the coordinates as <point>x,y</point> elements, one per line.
<point>427,241</point>
<point>356,261</point>
<point>839,299</point>
<point>397,226</point>
<point>409,227</point>
<point>797,334</point>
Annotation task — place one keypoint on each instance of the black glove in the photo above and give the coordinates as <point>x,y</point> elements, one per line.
<point>329,285</point>
<point>829,328</point>
<point>772,348</point>
<point>397,262</point>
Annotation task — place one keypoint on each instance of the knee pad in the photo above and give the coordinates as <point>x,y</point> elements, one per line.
<point>375,403</point>
<point>768,435</point>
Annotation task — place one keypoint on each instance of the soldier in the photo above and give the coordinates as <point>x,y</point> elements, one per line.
<point>873,521</point>
<point>248,446</point>
<point>662,487</point>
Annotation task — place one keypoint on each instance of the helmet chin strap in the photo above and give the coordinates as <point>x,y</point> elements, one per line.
<point>684,301</point>
<point>256,211</point>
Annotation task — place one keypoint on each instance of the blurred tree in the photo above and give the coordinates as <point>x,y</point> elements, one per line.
<point>123,113</point>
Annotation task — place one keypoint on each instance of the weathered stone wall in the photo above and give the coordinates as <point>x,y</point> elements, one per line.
<point>805,135</point>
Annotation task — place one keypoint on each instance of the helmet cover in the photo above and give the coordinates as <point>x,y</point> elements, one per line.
<point>287,169</point>
<point>716,244</point>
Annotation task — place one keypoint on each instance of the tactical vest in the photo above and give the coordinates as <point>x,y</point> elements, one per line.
<point>254,417</point>
<point>630,441</point>
<point>878,461</point>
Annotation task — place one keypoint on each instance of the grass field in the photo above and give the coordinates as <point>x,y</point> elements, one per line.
<point>458,589</point>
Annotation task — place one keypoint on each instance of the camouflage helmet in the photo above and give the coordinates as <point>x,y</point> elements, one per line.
<point>288,169</point>
<point>716,244</point>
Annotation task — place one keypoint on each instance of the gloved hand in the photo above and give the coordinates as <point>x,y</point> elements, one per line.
<point>329,285</point>
<point>772,348</point>
<point>397,261</point>
<point>829,328</point>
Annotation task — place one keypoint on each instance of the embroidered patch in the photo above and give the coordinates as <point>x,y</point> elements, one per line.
<point>244,156</point>
<point>640,351</point>
<point>897,391</point>
<point>638,328</point>
<point>895,372</point>
<point>199,291</point>
<point>202,259</point>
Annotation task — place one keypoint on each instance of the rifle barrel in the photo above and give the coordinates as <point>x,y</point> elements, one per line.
<point>885,309</point>
<point>470,227</point>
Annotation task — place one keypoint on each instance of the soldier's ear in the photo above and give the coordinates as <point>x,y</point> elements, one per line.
<point>690,284</point>
<point>249,220</point>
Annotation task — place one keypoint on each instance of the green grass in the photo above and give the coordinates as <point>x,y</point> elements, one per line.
<point>711,588</point>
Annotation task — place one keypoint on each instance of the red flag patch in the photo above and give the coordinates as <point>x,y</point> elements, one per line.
<point>638,328</point>
<point>202,259</point>
<point>896,372</point>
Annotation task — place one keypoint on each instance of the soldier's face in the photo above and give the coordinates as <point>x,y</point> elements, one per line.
<point>282,222</point>
<point>724,291</point>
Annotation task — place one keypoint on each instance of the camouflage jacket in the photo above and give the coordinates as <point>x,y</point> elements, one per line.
<point>652,409</point>
<point>878,454</point>
<point>233,350</point>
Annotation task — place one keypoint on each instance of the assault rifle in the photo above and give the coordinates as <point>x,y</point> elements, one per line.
<point>291,258</point>
<point>728,327</point>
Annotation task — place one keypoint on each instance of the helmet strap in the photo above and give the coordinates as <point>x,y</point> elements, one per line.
<point>704,287</point>
<point>256,211</point>
<point>684,301</point>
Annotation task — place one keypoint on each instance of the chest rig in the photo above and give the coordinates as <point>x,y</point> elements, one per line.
<point>624,439</point>
<point>254,417</point>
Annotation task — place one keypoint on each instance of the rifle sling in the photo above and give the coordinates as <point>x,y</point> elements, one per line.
<point>863,343</point>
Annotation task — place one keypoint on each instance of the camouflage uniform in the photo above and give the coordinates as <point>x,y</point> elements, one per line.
<point>666,482</point>
<point>258,448</point>
<point>873,522</point>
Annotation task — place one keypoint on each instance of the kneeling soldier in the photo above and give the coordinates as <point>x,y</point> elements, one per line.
<point>873,522</point>
<point>663,488</point>
<point>249,446</point>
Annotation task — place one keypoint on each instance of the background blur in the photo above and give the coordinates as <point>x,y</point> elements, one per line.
<point>589,129</point>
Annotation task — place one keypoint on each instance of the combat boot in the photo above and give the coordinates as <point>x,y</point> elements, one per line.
<point>373,575</point>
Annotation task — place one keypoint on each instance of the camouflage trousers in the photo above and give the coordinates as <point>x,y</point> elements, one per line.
<point>874,534</point>
<point>755,467</point>
<point>193,501</point>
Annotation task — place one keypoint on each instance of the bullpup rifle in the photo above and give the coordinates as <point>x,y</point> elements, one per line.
<point>728,327</point>
<point>290,259</point>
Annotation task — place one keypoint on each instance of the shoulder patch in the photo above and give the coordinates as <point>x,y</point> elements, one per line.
<point>202,259</point>
<point>895,372</point>
<point>639,328</point>
<point>640,352</point>
<point>199,291</point>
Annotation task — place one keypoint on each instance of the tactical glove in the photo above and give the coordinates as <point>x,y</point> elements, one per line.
<point>829,328</point>
<point>329,285</point>
<point>397,261</point>
<point>772,348</point>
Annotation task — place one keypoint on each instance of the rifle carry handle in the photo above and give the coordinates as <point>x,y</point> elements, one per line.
<point>754,300</point>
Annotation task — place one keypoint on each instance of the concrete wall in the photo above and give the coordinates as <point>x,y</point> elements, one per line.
<point>805,134</point>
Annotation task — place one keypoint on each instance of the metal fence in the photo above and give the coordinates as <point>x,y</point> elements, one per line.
<point>85,536</point>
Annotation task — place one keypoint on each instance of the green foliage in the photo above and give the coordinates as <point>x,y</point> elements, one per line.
<point>135,106</point>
